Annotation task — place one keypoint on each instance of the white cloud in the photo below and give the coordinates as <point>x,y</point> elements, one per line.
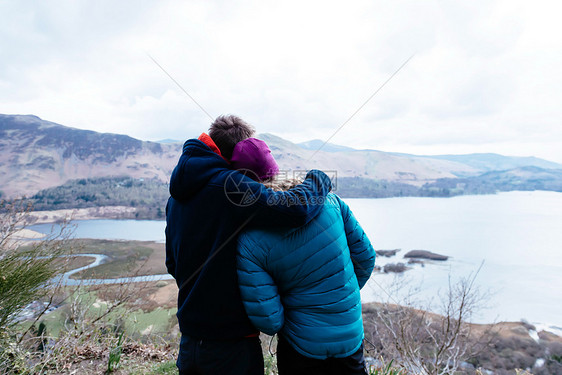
<point>485,77</point>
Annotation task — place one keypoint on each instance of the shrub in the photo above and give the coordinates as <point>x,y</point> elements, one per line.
<point>27,276</point>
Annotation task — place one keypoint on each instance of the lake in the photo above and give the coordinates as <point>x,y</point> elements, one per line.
<point>518,236</point>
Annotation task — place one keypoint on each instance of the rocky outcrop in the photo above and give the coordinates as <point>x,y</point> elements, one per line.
<point>387,253</point>
<point>416,261</point>
<point>395,268</point>
<point>425,254</point>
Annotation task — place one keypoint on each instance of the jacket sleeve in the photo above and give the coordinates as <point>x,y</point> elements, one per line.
<point>259,293</point>
<point>254,202</point>
<point>362,252</point>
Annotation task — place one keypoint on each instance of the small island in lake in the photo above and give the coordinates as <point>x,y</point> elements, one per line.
<point>387,253</point>
<point>425,254</point>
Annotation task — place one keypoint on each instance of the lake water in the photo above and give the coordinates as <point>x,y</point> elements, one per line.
<point>518,236</point>
<point>139,230</point>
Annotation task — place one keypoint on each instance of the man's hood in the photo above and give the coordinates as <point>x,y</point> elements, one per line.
<point>197,165</point>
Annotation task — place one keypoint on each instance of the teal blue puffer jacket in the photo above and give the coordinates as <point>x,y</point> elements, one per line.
<point>304,283</point>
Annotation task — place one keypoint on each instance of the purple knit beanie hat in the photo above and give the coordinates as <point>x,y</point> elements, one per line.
<point>254,155</point>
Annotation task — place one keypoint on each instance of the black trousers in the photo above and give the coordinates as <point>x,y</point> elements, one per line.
<point>212,357</point>
<point>291,362</point>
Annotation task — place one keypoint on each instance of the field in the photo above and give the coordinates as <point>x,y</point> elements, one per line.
<point>156,301</point>
<point>126,258</point>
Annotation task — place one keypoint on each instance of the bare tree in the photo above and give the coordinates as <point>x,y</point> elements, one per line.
<point>431,343</point>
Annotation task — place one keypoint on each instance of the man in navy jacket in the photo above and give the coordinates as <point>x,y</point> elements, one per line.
<point>210,205</point>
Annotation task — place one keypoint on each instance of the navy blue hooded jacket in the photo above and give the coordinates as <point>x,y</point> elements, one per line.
<point>210,205</point>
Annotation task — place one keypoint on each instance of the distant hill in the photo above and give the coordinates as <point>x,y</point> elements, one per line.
<point>62,166</point>
<point>527,178</point>
<point>370,164</point>
<point>482,162</point>
<point>37,154</point>
<point>167,140</point>
<point>496,162</point>
<point>316,144</point>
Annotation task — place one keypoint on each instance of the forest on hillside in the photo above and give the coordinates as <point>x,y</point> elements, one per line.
<point>149,196</point>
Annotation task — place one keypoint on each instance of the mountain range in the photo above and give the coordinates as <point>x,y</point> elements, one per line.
<point>36,155</point>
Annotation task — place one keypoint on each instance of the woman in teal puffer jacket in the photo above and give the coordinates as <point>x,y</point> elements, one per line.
<point>304,283</point>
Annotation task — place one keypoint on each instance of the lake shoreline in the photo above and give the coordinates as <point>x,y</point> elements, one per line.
<point>98,259</point>
<point>134,213</point>
<point>90,213</point>
<point>514,236</point>
<point>532,328</point>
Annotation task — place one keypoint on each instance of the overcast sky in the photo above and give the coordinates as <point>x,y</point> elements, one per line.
<point>486,76</point>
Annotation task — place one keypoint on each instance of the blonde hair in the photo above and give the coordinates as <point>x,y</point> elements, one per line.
<point>282,185</point>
